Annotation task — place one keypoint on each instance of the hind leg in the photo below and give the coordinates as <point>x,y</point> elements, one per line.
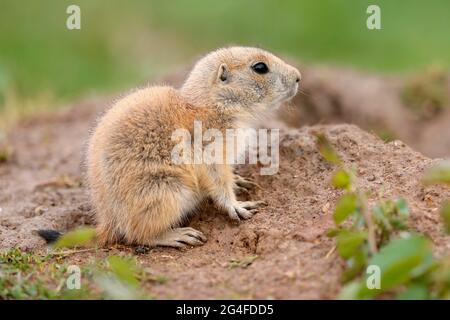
<point>152,219</point>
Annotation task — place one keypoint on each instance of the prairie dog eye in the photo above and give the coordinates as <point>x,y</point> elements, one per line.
<point>260,68</point>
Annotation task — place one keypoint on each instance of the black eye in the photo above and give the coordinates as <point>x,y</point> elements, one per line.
<point>260,68</point>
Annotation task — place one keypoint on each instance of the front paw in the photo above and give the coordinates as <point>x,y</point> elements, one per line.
<point>241,182</point>
<point>245,209</point>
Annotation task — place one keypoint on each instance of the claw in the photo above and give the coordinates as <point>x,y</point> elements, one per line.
<point>245,209</point>
<point>181,237</point>
<point>240,190</point>
<point>253,204</point>
<point>233,214</point>
<point>245,183</point>
<point>244,213</point>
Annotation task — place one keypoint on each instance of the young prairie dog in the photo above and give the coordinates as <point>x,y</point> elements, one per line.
<point>138,194</point>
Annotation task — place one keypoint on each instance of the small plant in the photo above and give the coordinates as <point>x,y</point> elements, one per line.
<point>121,279</point>
<point>380,238</point>
<point>6,150</point>
<point>33,276</point>
<point>79,237</point>
<point>440,174</point>
<point>385,134</point>
<point>17,269</point>
<point>22,261</point>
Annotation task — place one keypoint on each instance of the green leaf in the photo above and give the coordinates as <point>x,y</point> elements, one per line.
<point>414,292</point>
<point>399,261</point>
<point>331,233</point>
<point>355,265</point>
<point>124,270</point>
<point>341,179</point>
<point>350,291</point>
<point>348,242</point>
<point>326,149</point>
<point>115,289</point>
<point>441,279</point>
<point>445,214</point>
<point>78,237</point>
<point>390,216</point>
<point>439,173</point>
<point>380,218</point>
<point>345,206</point>
<point>402,208</point>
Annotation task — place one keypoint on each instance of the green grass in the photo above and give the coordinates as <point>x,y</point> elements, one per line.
<point>38,53</point>
<point>125,43</point>
<point>414,34</point>
<point>25,275</point>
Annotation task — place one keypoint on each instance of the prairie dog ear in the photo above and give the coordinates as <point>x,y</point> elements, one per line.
<point>223,73</point>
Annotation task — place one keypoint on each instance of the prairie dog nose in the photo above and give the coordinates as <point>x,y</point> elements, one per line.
<point>298,76</point>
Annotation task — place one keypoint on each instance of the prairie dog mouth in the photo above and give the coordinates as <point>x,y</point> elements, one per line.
<point>285,96</point>
<point>291,93</point>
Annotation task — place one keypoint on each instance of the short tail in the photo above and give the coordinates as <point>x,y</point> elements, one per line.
<point>49,236</point>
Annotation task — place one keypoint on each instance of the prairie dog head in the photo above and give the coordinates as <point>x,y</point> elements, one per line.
<point>241,80</point>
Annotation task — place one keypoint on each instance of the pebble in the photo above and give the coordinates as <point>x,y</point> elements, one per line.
<point>40,210</point>
<point>141,249</point>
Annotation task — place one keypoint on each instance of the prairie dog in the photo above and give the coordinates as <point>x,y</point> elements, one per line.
<point>138,194</point>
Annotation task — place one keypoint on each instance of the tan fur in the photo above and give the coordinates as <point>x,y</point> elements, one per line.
<point>138,194</point>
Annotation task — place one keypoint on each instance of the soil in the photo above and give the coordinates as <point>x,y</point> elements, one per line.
<point>41,187</point>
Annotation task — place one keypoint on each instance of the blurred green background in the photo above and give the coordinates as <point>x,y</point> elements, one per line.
<point>124,43</point>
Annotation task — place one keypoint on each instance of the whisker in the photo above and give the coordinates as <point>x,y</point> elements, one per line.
<point>304,93</point>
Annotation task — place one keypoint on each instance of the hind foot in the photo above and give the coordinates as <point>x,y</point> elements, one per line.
<point>180,238</point>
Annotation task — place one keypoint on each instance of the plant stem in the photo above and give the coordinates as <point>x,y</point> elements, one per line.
<point>369,222</point>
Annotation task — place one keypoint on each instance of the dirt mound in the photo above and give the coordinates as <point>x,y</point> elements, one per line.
<point>42,187</point>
